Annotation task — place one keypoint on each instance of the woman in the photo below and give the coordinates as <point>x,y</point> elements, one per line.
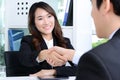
<point>45,33</point>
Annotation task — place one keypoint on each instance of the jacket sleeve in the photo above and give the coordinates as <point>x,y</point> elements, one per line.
<point>91,67</point>
<point>28,53</point>
<point>66,70</point>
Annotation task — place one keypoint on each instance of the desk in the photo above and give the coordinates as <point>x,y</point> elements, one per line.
<point>33,78</point>
<point>19,78</point>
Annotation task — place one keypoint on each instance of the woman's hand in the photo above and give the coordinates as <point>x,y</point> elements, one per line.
<point>52,57</point>
<point>56,56</point>
<point>60,56</point>
<point>44,54</point>
<point>56,59</point>
<point>67,53</point>
<point>44,73</point>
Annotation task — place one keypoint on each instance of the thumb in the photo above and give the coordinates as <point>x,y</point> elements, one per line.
<point>60,50</point>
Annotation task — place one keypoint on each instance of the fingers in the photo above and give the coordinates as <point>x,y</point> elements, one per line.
<point>39,74</point>
<point>67,53</point>
<point>60,50</point>
<point>56,60</point>
<point>55,57</point>
<point>44,73</point>
<point>51,62</point>
<point>44,54</point>
<point>55,64</point>
<point>36,74</point>
<point>59,57</point>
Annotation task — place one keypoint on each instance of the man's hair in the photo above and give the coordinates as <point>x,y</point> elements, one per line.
<point>116,5</point>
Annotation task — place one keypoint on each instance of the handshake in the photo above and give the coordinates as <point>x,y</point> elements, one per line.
<point>56,56</point>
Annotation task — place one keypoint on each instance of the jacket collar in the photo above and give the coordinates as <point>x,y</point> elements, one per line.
<point>117,33</point>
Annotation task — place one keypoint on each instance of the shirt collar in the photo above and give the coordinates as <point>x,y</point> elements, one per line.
<point>49,43</point>
<point>110,37</point>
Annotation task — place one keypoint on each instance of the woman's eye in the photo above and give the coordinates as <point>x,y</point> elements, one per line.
<point>40,19</point>
<point>49,16</point>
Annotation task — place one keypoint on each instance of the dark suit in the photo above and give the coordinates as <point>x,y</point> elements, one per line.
<point>29,54</point>
<point>102,62</point>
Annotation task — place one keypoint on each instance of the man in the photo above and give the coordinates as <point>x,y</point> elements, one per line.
<point>102,62</point>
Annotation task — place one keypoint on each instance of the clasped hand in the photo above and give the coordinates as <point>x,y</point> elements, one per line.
<point>55,56</point>
<point>59,56</point>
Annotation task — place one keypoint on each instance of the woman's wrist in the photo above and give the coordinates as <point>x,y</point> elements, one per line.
<point>42,56</point>
<point>53,72</point>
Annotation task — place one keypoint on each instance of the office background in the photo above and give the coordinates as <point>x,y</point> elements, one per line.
<point>13,15</point>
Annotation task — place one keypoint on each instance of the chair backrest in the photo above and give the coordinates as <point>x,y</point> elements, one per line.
<point>13,65</point>
<point>15,37</point>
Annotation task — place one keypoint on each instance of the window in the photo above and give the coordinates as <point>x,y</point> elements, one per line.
<point>2,67</point>
<point>1,31</point>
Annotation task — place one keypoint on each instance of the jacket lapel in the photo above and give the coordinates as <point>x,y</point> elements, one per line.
<point>43,45</point>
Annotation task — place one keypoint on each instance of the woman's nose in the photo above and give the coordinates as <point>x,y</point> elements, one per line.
<point>46,21</point>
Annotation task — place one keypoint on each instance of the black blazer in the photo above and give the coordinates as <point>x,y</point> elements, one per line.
<point>102,62</point>
<point>28,55</point>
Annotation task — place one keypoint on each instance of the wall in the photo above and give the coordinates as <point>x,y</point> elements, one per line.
<point>82,25</point>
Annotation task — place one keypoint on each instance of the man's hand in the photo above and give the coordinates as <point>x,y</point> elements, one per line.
<point>67,53</point>
<point>60,56</point>
<point>56,59</point>
<point>52,57</point>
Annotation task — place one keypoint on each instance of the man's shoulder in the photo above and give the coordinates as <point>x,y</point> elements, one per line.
<point>105,52</point>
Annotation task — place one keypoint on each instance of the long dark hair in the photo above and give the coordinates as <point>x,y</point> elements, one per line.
<point>57,31</point>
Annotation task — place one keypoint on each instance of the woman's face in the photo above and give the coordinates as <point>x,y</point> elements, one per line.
<point>44,21</point>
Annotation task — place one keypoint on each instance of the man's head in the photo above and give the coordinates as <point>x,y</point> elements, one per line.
<point>115,3</point>
<point>105,14</point>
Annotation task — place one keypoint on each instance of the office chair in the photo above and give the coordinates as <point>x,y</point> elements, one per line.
<point>15,37</point>
<point>13,65</point>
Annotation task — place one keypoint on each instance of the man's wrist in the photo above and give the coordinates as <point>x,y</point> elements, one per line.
<point>71,54</point>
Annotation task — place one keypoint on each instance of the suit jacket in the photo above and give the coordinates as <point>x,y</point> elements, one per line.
<point>28,55</point>
<point>102,62</point>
